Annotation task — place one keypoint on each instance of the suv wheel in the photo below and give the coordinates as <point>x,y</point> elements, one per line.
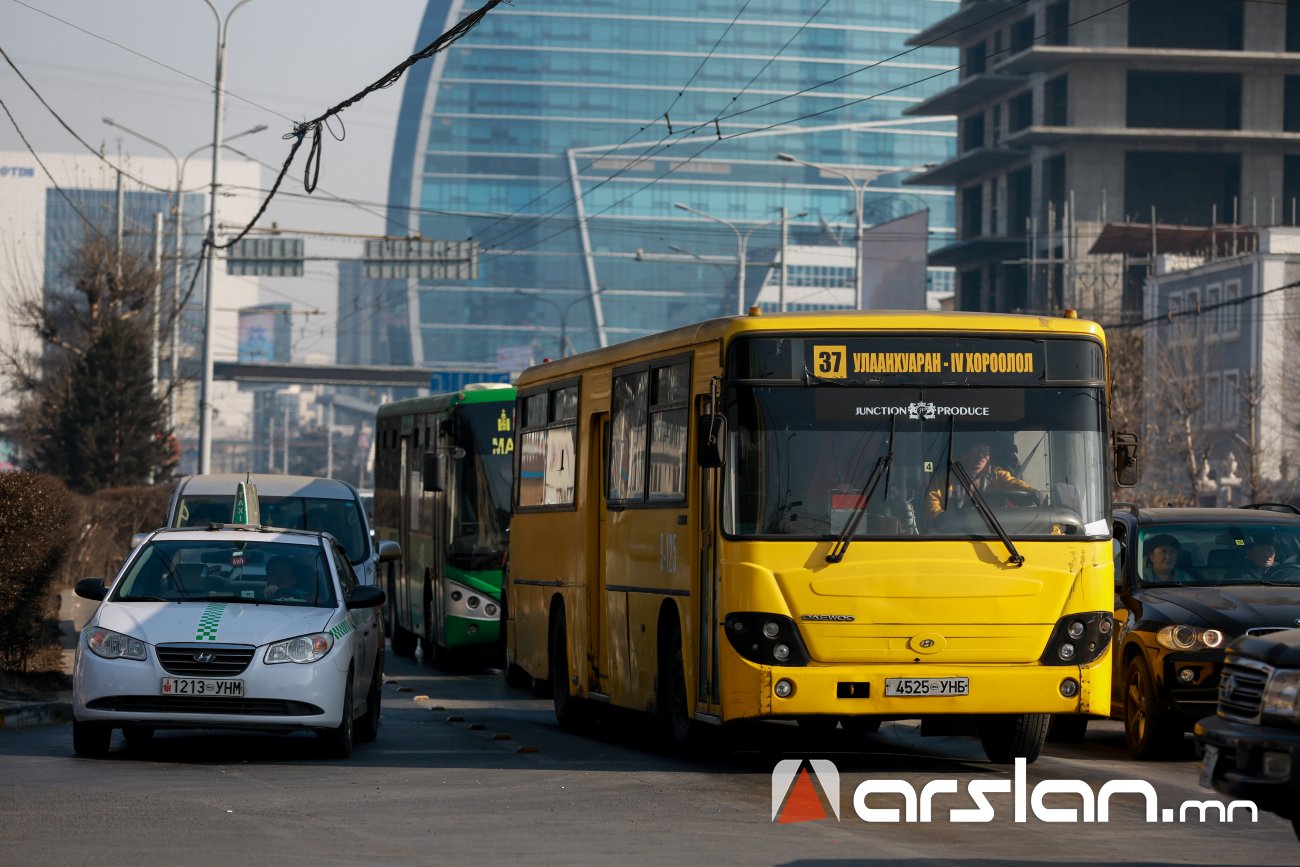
<point>1146,727</point>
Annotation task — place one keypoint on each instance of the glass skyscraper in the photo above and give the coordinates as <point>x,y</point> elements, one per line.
<point>612,160</point>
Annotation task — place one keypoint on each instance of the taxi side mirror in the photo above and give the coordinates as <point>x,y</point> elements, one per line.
<point>365,596</point>
<point>91,588</point>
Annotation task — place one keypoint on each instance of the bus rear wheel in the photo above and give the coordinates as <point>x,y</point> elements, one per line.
<point>675,716</point>
<point>1011,736</point>
<point>571,712</point>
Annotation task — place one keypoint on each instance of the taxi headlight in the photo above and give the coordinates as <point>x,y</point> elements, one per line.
<point>303,649</point>
<point>1281,696</point>
<point>114,645</point>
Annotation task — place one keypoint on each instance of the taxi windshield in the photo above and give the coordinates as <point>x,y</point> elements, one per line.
<point>228,570</point>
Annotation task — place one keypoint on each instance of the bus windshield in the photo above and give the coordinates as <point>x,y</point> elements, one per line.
<point>800,458</point>
<point>480,515</point>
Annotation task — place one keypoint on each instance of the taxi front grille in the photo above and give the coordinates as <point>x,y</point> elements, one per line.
<point>197,704</point>
<point>205,660</point>
<point>1241,689</point>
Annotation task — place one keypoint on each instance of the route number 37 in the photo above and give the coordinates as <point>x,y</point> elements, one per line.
<point>828,362</point>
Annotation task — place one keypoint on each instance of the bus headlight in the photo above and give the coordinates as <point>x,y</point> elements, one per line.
<point>1078,639</point>
<point>765,639</point>
<point>464,601</point>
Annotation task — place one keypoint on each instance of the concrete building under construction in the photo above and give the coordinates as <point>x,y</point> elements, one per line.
<point>1078,114</point>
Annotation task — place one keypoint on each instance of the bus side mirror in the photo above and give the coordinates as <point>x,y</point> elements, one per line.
<point>431,472</point>
<point>389,551</point>
<point>1128,472</point>
<point>712,446</point>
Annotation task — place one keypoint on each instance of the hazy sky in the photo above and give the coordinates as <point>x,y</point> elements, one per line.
<point>286,61</point>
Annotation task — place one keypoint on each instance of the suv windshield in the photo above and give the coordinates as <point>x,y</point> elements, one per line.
<point>1219,554</point>
<point>340,518</point>
<point>226,570</point>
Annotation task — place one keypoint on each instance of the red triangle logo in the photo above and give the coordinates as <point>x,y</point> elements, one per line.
<point>802,805</point>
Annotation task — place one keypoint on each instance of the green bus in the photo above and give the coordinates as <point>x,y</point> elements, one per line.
<point>442,491</point>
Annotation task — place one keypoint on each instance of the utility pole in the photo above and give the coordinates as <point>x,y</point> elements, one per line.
<point>785,237</point>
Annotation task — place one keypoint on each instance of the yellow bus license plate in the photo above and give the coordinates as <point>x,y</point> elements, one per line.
<point>927,686</point>
<point>196,686</point>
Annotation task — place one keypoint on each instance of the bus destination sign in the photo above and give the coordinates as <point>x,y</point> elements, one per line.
<point>954,362</point>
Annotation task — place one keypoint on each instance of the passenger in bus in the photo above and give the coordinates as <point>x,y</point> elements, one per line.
<point>1161,566</point>
<point>993,481</point>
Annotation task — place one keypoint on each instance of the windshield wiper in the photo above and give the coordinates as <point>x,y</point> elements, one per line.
<point>879,471</point>
<point>982,506</point>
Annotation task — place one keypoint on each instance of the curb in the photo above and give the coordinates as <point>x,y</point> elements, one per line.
<point>18,715</point>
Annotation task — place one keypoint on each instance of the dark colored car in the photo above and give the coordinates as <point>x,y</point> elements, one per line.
<point>1188,581</point>
<point>1251,749</point>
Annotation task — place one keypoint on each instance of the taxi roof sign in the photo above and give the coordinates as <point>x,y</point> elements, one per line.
<point>247,510</point>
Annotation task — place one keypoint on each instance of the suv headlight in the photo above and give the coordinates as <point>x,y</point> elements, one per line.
<point>1280,696</point>
<point>303,649</point>
<point>1189,638</point>
<point>113,645</point>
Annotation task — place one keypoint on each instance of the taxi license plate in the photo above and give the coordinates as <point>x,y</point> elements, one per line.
<point>1208,760</point>
<point>196,686</point>
<point>927,686</point>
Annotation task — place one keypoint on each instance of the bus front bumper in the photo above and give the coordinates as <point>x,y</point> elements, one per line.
<point>905,692</point>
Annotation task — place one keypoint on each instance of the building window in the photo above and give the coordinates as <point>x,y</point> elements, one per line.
<point>1183,100</point>
<point>1291,104</point>
<point>972,211</point>
<point>1183,187</point>
<point>974,59</point>
<point>1291,190</point>
<point>1057,25</point>
<point>1203,24</point>
<point>1022,34</point>
<point>1019,201</point>
<point>1232,398</point>
<point>972,132</point>
<point>547,447</point>
<point>1293,25</point>
<point>1230,321</point>
<point>1054,189</point>
<point>1056,105</point>
<point>1192,303</point>
<point>1210,320</point>
<point>1020,111</point>
<point>968,294</point>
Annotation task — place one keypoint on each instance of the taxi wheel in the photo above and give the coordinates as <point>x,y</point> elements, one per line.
<point>367,728</point>
<point>338,741</point>
<point>1011,736</point>
<point>137,734</point>
<point>89,739</point>
<point>1149,734</point>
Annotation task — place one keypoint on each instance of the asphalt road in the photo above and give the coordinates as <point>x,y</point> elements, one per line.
<point>447,782</point>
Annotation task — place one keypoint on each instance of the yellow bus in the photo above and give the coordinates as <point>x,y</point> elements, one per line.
<point>831,517</point>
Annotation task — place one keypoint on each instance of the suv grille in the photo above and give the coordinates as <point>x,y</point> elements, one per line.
<point>1241,689</point>
<point>205,660</point>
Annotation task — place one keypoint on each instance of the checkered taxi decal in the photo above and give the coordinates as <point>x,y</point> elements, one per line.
<point>209,622</point>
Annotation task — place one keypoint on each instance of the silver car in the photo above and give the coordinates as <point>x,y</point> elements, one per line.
<point>230,628</point>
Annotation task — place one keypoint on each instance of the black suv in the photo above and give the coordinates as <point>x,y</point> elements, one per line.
<point>1251,749</point>
<point>1188,581</point>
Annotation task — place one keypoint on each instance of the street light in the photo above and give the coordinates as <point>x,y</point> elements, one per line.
<point>205,385</point>
<point>742,243</point>
<point>857,214</point>
<point>562,311</point>
<point>177,237</point>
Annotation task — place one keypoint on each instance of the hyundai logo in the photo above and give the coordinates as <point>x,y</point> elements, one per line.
<point>927,642</point>
<point>203,657</point>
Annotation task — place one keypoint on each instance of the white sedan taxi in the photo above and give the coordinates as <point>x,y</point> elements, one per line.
<point>230,628</point>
